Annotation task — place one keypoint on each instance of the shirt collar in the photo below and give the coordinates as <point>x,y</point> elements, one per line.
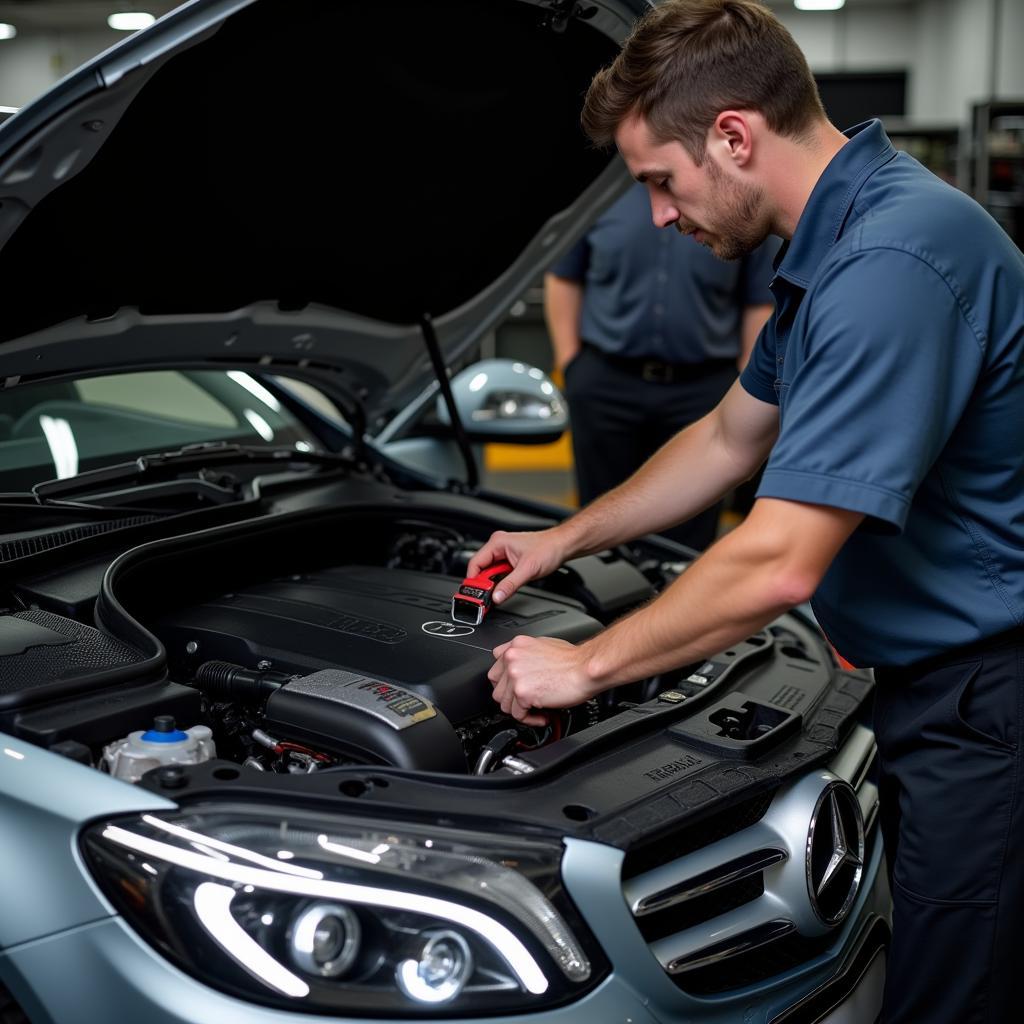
<point>829,203</point>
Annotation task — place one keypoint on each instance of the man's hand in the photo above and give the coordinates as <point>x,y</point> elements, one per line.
<point>539,672</point>
<point>532,555</point>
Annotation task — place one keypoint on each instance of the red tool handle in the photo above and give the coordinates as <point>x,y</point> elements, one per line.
<point>487,578</point>
<point>473,600</point>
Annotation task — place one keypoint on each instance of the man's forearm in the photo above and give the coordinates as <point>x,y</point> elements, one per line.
<point>739,585</point>
<point>687,475</point>
<point>563,306</point>
<point>774,560</point>
<point>727,594</point>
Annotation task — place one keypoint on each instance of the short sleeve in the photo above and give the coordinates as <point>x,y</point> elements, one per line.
<point>573,265</point>
<point>887,368</point>
<point>759,375</point>
<point>756,273</point>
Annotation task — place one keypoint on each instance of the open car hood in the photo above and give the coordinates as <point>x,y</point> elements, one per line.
<point>291,185</point>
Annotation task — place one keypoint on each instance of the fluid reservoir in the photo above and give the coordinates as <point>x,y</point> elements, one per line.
<point>130,758</point>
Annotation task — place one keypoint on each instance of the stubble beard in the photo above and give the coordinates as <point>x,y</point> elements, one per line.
<point>741,223</point>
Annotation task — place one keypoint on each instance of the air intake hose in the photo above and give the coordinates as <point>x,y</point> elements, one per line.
<point>222,680</point>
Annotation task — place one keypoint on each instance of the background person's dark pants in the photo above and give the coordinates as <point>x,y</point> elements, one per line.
<point>952,813</point>
<point>619,420</point>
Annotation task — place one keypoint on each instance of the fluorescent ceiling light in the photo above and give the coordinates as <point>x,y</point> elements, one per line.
<point>7,31</point>
<point>130,21</point>
<point>818,5</point>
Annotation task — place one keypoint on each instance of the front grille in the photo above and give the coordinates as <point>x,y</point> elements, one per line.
<point>725,903</point>
<point>699,909</point>
<point>755,965</point>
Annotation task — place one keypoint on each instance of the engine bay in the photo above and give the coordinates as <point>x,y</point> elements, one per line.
<point>204,648</point>
<point>322,639</point>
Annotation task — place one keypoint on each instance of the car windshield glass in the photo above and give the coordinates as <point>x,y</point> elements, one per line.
<point>60,429</point>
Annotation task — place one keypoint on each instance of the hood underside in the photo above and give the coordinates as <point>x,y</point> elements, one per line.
<point>383,161</point>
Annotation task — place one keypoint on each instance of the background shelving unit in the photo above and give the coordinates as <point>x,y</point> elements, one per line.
<point>937,146</point>
<point>996,163</point>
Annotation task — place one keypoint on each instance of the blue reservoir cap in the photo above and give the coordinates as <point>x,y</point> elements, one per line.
<point>164,731</point>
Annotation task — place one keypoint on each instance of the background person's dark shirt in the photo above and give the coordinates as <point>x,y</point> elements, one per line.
<point>653,293</point>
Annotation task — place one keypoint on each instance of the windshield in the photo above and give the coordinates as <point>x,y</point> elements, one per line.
<point>57,430</point>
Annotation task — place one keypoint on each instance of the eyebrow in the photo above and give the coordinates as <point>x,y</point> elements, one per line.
<point>655,172</point>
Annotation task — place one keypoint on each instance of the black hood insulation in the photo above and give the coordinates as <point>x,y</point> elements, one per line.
<point>389,159</point>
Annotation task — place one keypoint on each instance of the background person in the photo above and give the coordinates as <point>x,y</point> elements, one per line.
<point>649,330</point>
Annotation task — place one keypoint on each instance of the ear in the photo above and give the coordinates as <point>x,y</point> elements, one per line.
<point>732,136</point>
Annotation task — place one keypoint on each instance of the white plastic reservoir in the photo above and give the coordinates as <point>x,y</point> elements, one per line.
<point>164,743</point>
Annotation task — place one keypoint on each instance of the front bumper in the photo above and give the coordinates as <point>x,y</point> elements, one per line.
<point>102,971</point>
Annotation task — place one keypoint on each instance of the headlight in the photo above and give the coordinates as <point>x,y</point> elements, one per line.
<point>295,909</point>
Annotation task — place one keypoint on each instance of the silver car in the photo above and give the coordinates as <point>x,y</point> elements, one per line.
<point>250,767</point>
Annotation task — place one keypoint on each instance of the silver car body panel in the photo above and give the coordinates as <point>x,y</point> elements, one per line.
<point>45,800</point>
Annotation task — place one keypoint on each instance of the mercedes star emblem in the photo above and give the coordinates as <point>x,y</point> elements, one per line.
<point>835,852</point>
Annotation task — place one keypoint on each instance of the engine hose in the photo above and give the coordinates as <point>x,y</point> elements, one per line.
<point>500,744</point>
<point>225,681</point>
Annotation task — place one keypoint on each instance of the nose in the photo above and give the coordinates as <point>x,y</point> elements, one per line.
<point>663,213</point>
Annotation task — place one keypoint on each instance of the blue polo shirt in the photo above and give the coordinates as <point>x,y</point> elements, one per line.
<point>656,294</point>
<point>896,357</point>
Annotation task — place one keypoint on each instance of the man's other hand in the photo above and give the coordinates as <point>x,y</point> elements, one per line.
<point>531,555</point>
<point>531,673</point>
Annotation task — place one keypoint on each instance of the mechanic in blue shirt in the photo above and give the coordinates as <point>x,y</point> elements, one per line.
<point>889,391</point>
<point>649,329</point>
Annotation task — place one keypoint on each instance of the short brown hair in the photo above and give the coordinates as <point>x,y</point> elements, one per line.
<point>688,60</point>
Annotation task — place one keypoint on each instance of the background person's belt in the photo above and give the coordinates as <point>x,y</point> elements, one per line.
<point>657,371</point>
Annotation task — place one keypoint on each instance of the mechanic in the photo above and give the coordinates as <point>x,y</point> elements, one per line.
<point>649,329</point>
<point>888,389</point>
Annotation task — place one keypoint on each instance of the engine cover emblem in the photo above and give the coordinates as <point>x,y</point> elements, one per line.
<point>447,630</point>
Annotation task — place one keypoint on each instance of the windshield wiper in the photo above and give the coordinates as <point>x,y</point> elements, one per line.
<point>169,466</point>
<point>16,502</point>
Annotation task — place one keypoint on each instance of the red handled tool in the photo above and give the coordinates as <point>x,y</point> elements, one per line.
<point>473,600</point>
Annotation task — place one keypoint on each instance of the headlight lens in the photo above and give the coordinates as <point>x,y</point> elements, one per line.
<point>294,909</point>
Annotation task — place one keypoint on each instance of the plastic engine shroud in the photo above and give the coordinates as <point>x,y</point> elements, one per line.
<point>390,624</point>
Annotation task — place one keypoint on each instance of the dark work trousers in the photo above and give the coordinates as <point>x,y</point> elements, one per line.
<point>619,420</point>
<point>952,815</point>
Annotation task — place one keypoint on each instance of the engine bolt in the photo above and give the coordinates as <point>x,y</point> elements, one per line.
<point>171,776</point>
<point>191,647</point>
<point>263,665</point>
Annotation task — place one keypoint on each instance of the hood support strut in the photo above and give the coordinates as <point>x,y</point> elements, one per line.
<point>441,372</point>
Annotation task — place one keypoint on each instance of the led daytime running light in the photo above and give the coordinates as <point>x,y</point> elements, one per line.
<point>213,907</point>
<point>501,939</point>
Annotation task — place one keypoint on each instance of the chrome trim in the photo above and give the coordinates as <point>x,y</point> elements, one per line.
<point>642,902</point>
<point>854,759</point>
<point>867,796</point>
<point>744,943</point>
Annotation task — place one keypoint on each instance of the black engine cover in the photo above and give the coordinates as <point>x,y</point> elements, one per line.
<point>391,624</point>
